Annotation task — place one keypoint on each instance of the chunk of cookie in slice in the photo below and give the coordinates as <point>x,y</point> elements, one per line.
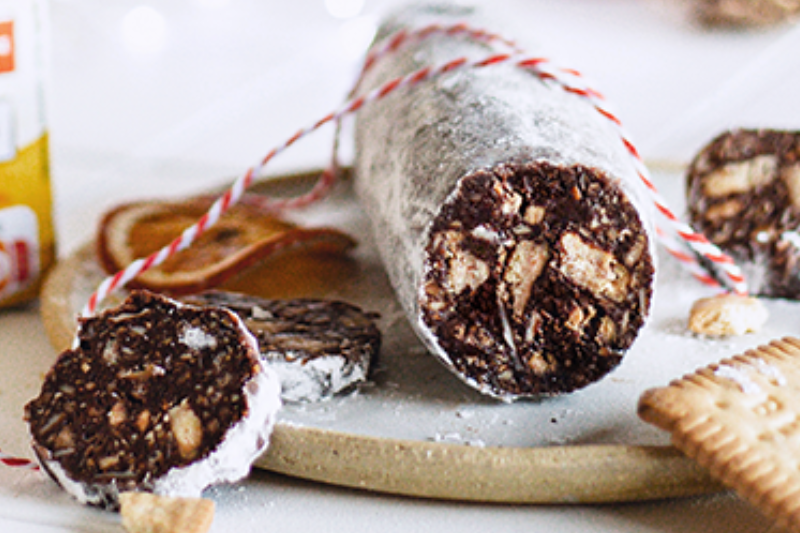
<point>740,419</point>
<point>155,396</point>
<point>318,348</point>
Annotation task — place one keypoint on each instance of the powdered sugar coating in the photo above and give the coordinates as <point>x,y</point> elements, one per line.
<point>243,443</point>
<point>317,379</point>
<point>741,378</point>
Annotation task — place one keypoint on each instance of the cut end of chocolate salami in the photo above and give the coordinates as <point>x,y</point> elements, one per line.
<point>743,193</point>
<point>155,396</point>
<point>537,279</point>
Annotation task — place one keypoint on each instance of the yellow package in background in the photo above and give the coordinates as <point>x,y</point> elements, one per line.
<point>27,240</point>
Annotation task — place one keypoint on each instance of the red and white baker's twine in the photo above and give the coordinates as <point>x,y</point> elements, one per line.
<point>569,80</point>
<point>17,462</point>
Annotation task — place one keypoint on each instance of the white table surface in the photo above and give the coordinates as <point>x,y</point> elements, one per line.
<point>220,82</point>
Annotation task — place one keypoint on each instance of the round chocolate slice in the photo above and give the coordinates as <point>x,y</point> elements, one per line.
<point>154,396</point>
<point>319,348</point>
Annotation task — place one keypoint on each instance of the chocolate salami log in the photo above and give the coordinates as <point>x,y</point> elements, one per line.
<point>507,215</point>
<point>743,193</point>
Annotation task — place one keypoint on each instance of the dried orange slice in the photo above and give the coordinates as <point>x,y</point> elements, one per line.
<point>243,236</point>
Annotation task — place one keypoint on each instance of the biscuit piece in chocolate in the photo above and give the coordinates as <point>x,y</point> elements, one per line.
<point>155,396</point>
<point>743,193</point>
<point>318,347</point>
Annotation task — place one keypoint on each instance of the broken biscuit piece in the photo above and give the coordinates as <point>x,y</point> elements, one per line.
<point>727,314</point>
<point>149,513</point>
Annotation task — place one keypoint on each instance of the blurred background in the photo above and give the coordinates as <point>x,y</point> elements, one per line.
<point>189,93</point>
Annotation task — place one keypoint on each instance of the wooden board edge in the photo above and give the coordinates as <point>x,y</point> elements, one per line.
<point>551,475</point>
<point>55,306</point>
<point>557,474</point>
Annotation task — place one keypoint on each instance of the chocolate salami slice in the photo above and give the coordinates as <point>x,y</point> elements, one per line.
<point>507,214</point>
<point>318,348</point>
<point>743,193</point>
<point>155,396</point>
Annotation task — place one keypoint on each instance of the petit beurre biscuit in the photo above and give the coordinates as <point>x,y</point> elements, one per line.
<point>740,419</point>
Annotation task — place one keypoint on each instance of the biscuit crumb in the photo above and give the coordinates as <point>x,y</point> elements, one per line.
<point>727,314</point>
<point>143,512</point>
